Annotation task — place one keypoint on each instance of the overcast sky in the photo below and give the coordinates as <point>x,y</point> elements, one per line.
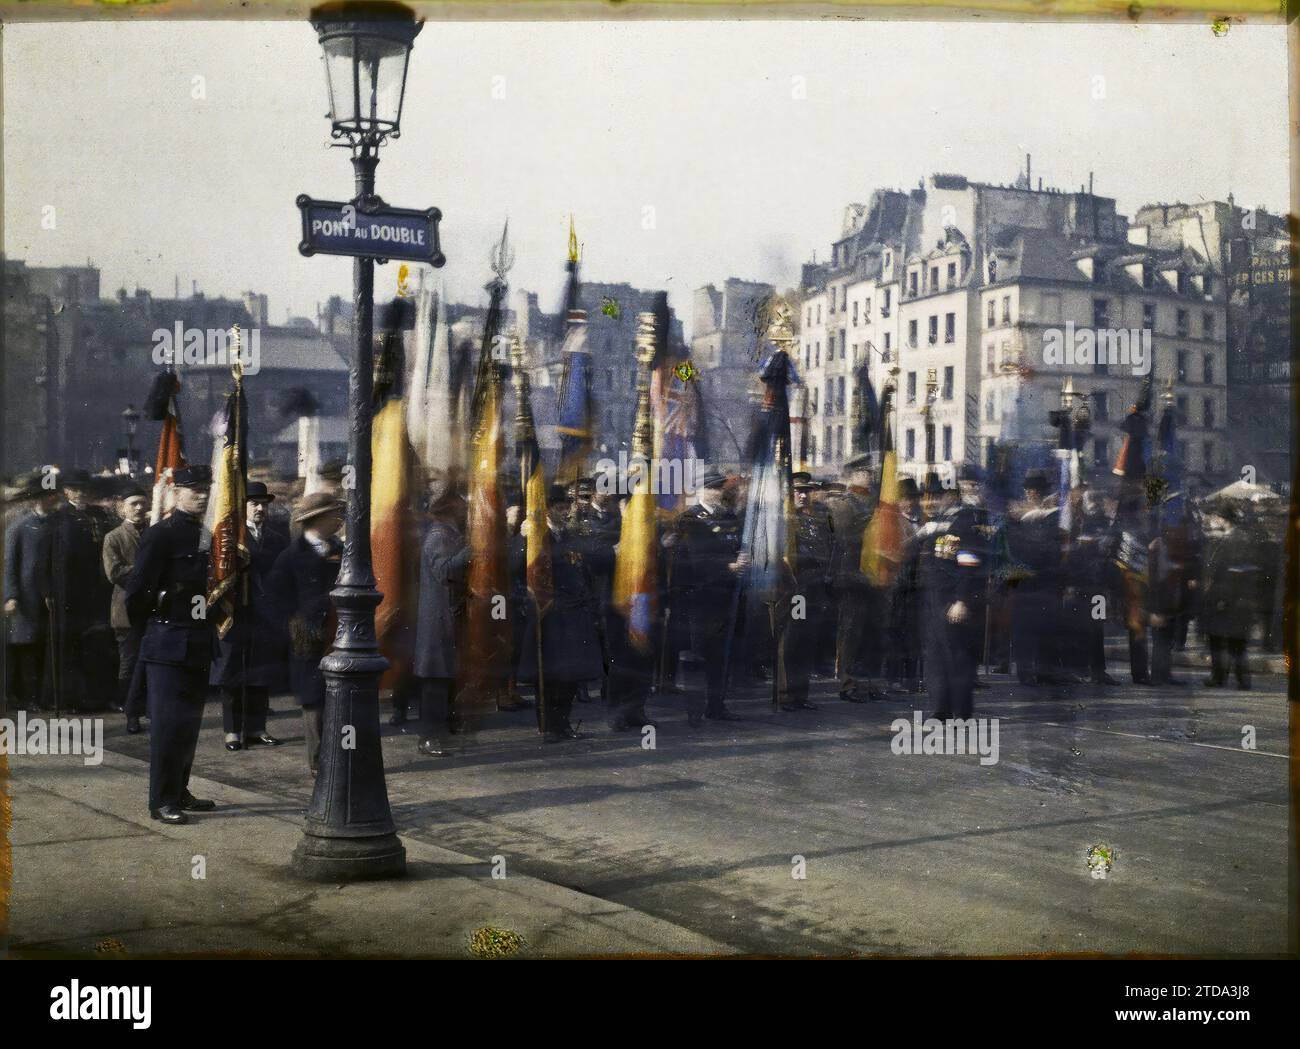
<point>695,120</point>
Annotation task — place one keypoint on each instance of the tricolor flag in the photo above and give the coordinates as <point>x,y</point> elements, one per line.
<point>229,557</point>
<point>393,542</point>
<point>162,406</point>
<point>885,536</point>
<point>485,653</point>
<point>635,578</point>
<point>676,398</point>
<point>768,537</point>
<point>532,481</point>
<point>574,405</point>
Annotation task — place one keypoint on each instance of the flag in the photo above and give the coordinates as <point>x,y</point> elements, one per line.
<point>768,537</point>
<point>392,527</point>
<point>434,419</point>
<point>1130,464</point>
<point>532,482</point>
<point>162,406</point>
<point>676,399</point>
<point>574,403</point>
<point>485,661</point>
<point>866,422</point>
<point>635,578</point>
<point>885,536</point>
<point>229,557</point>
<point>1170,491</point>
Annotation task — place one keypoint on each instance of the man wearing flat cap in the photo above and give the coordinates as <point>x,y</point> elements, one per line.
<point>251,658</point>
<point>167,592</point>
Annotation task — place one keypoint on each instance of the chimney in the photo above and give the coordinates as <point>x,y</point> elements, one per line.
<point>1029,170</point>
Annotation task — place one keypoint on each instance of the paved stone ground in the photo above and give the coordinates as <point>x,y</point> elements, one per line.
<point>610,847</point>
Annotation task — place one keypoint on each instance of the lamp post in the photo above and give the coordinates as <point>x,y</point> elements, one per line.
<point>348,834</point>
<point>130,423</point>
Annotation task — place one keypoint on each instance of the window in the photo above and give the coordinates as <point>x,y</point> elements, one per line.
<point>1149,316</point>
<point>911,283</point>
<point>1006,309</point>
<point>990,451</point>
<point>911,387</point>
<point>1207,326</point>
<point>1207,368</point>
<point>827,444</point>
<point>819,313</point>
<point>812,447</point>
<point>866,312</point>
<point>1181,404</point>
<point>993,269</point>
<point>1100,450</point>
<point>815,392</point>
<point>929,442</point>
<point>830,305</point>
<point>950,327</point>
<point>817,361</point>
<point>839,442</point>
<point>887,337</point>
<point>947,442</point>
<point>1101,405</point>
<point>1207,451</point>
<point>952,275</point>
<point>988,358</point>
<point>947,385</point>
<point>1006,352</point>
<point>909,445</point>
<point>810,316</point>
<point>1182,323</point>
<point>1101,313</point>
<point>844,338</point>
<point>911,333</point>
<point>934,278</point>
<point>988,407</point>
<point>991,318</point>
<point>609,378</point>
<point>884,307</point>
<point>807,355</point>
<point>855,354</point>
<point>830,406</point>
<point>1181,374</point>
<point>934,328</point>
<point>839,395</point>
<point>855,313</point>
<point>889,258</point>
<point>1207,412</point>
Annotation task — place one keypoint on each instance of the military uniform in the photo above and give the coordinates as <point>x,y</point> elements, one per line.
<point>176,649</point>
<point>951,568</point>
<point>799,634</point>
<point>708,541</point>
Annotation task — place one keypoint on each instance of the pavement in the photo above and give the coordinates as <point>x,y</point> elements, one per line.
<point>693,846</point>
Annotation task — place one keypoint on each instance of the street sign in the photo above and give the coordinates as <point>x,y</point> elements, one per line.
<point>372,230</point>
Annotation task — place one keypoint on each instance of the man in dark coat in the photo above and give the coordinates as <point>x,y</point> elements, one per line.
<point>444,557</point>
<point>570,642</point>
<point>251,658</point>
<point>120,548</point>
<point>1229,599</point>
<point>904,600</point>
<point>1034,538</point>
<point>952,574</point>
<point>166,592</point>
<point>859,633</point>
<point>299,586</point>
<point>708,560</point>
<point>27,587</point>
<point>595,524</point>
<point>804,612</point>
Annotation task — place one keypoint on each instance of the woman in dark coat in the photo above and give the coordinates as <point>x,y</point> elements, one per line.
<point>300,585</point>
<point>439,617</point>
<point>570,642</point>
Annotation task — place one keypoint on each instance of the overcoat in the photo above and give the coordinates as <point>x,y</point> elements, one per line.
<point>441,609</point>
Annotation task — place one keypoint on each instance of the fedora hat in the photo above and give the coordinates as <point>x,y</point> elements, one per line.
<point>316,505</point>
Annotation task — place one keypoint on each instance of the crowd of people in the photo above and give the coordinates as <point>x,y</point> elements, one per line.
<point>100,606</point>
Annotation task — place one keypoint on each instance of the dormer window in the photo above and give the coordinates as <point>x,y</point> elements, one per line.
<point>993,269</point>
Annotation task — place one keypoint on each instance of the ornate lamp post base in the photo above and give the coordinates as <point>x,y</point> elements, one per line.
<point>349,859</point>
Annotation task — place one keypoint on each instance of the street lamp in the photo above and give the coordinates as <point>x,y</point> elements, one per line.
<point>348,834</point>
<point>130,423</point>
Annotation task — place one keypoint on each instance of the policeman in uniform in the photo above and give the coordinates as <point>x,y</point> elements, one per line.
<point>807,607</point>
<point>951,575</point>
<point>167,592</point>
<point>708,561</point>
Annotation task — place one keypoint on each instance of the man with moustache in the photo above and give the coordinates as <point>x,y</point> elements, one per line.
<point>166,594</point>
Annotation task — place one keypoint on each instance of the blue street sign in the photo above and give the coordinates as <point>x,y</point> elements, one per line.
<point>373,231</point>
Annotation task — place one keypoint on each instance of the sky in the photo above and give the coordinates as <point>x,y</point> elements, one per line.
<point>687,152</point>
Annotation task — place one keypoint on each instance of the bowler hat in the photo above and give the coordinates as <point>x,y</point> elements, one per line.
<point>907,488</point>
<point>932,485</point>
<point>258,493</point>
<point>713,479</point>
<point>316,505</point>
<point>75,477</point>
<point>557,493</point>
<point>198,475</point>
